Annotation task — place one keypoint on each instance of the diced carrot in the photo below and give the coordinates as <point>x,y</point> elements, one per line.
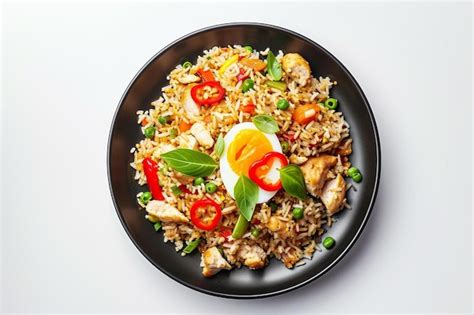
<point>255,64</point>
<point>144,122</point>
<point>207,118</point>
<point>249,108</point>
<point>303,114</point>
<point>206,76</point>
<point>184,126</point>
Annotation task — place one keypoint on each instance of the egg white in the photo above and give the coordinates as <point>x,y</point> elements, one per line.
<point>229,177</point>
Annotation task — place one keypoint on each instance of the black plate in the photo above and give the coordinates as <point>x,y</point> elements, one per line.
<point>146,87</point>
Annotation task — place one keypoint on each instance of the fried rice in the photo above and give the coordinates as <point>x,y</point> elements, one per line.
<point>280,235</point>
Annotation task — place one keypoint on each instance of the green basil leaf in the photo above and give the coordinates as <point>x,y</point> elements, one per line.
<point>220,145</point>
<point>190,162</point>
<point>246,196</point>
<point>273,67</point>
<point>265,123</point>
<point>292,181</point>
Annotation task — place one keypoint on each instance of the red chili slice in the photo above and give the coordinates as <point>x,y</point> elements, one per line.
<point>212,222</point>
<point>151,169</point>
<point>242,75</point>
<point>260,169</point>
<point>216,93</point>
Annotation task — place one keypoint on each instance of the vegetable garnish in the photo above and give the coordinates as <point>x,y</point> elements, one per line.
<point>249,108</point>
<point>184,126</point>
<point>228,63</point>
<point>298,213</point>
<point>255,64</point>
<point>328,242</point>
<point>150,168</point>
<point>176,190</point>
<point>240,227</point>
<point>145,197</point>
<point>187,64</point>
<point>246,196</point>
<point>211,187</point>
<point>212,89</point>
<point>277,85</point>
<point>219,146</point>
<point>303,114</point>
<point>192,246</point>
<point>190,162</point>
<point>157,226</point>
<point>247,85</point>
<point>331,103</point>
<point>265,123</point>
<point>282,104</point>
<point>242,75</point>
<point>206,75</point>
<point>273,67</point>
<point>202,217</point>
<point>292,181</point>
<point>355,174</point>
<point>261,171</point>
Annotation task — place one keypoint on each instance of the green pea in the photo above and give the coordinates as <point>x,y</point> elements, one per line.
<point>255,232</point>
<point>329,242</point>
<point>357,177</point>
<point>247,85</point>
<point>211,187</point>
<point>273,206</point>
<point>331,103</point>
<point>173,133</point>
<point>145,197</point>
<point>298,213</point>
<point>163,119</point>
<point>187,64</point>
<point>285,146</point>
<point>198,181</point>
<point>149,132</point>
<point>283,104</point>
<point>249,49</point>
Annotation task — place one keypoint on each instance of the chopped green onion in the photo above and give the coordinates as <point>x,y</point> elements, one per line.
<point>240,227</point>
<point>187,64</point>
<point>157,226</point>
<point>176,190</point>
<point>331,103</point>
<point>277,85</point>
<point>247,85</point>
<point>285,146</point>
<point>192,246</point>
<point>273,206</point>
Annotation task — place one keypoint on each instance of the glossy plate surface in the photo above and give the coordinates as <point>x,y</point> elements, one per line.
<point>146,87</point>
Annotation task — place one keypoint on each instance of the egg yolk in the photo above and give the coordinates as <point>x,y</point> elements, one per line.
<point>248,146</point>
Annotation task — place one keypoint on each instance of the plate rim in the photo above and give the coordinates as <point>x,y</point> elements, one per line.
<point>372,197</point>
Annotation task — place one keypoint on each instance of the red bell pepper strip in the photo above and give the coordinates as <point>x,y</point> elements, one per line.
<point>198,221</point>
<point>216,95</point>
<point>184,189</point>
<point>249,108</point>
<point>206,76</point>
<point>259,171</point>
<point>242,75</point>
<point>151,169</point>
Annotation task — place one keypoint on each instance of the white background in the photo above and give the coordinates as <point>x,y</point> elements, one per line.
<point>65,68</point>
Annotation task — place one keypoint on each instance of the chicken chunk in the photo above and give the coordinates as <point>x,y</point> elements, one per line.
<point>297,68</point>
<point>279,227</point>
<point>165,212</point>
<point>190,107</point>
<point>187,141</point>
<point>213,262</point>
<point>333,194</point>
<point>188,78</point>
<point>182,178</point>
<point>253,257</point>
<point>315,171</point>
<point>203,136</point>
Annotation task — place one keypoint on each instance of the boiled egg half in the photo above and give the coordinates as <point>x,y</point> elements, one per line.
<point>245,144</point>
